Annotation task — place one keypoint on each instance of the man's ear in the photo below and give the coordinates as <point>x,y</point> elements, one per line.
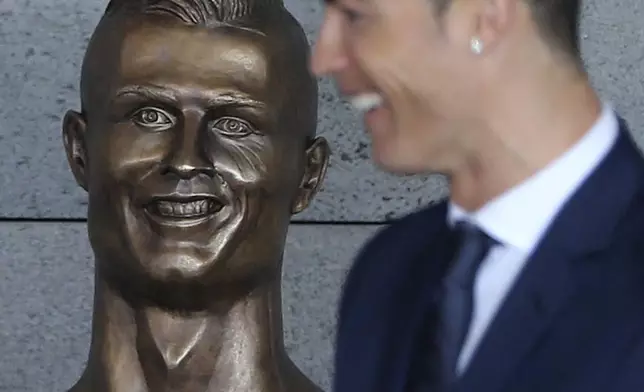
<point>317,159</point>
<point>74,129</point>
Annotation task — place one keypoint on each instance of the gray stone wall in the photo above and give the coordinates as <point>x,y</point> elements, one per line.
<point>46,286</point>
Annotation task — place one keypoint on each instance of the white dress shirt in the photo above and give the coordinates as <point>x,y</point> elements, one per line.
<point>518,219</point>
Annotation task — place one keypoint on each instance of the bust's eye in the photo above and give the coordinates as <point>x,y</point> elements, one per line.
<point>231,126</point>
<point>153,118</point>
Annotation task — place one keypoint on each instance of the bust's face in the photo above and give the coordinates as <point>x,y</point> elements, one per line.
<point>193,166</point>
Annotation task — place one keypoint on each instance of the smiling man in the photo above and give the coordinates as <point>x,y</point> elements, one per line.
<point>196,143</point>
<point>531,276</point>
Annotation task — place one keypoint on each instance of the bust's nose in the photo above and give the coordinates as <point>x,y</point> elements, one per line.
<point>188,157</point>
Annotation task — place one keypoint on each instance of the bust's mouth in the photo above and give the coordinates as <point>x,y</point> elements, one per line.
<point>184,210</point>
<point>187,207</point>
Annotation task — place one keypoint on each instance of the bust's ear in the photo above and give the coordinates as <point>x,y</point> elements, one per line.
<point>317,159</point>
<point>74,129</point>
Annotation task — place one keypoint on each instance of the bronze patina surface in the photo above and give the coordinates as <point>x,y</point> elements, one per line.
<point>196,144</point>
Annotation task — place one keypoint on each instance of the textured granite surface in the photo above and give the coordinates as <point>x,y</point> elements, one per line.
<point>46,300</point>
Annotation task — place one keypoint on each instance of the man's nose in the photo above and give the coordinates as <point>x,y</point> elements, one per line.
<point>189,155</point>
<point>329,54</point>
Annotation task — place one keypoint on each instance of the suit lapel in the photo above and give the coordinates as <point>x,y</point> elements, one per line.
<point>541,290</point>
<point>584,226</point>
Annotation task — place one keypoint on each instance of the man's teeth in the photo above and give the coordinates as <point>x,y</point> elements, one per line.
<point>366,102</point>
<point>186,209</point>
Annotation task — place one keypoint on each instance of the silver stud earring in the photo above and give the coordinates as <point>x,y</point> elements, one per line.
<point>476,45</point>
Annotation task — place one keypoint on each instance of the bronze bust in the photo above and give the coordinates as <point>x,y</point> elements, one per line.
<point>196,143</point>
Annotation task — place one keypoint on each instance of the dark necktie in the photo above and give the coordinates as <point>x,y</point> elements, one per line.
<point>457,297</point>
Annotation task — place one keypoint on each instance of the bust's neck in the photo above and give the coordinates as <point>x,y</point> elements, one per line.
<point>152,350</point>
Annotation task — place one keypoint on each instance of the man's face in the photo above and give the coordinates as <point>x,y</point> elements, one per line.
<point>193,168</point>
<point>407,69</point>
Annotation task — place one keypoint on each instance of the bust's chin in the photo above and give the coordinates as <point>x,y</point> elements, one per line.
<point>183,264</point>
<point>177,291</point>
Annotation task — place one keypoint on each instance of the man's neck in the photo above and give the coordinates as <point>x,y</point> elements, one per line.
<point>149,349</point>
<point>530,122</point>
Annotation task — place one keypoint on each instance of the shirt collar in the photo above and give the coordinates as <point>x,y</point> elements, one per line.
<point>521,215</point>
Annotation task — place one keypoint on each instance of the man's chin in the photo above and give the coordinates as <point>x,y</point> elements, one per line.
<point>394,157</point>
<point>388,160</point>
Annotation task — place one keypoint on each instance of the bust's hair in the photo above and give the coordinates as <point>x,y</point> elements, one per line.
<point>210,13</point>
<point>197,12</point>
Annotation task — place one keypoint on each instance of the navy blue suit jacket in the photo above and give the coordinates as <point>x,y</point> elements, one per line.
<point>573,321</point>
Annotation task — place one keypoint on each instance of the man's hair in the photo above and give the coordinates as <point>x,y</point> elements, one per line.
<point>557,21</point>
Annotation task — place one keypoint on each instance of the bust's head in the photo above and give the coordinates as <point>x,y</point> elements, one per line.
<point>196,143</point>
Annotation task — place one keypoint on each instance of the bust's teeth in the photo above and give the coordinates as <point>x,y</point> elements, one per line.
<point>186,209</point>
<point>366,102</point>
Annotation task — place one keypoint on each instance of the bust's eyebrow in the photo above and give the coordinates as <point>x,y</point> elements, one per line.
<point>212,98</point>
<point>230,98</point>
<point>156,93</point>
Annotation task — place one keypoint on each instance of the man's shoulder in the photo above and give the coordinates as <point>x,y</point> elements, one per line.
<point>415,226</point>
<point>384,255</point>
